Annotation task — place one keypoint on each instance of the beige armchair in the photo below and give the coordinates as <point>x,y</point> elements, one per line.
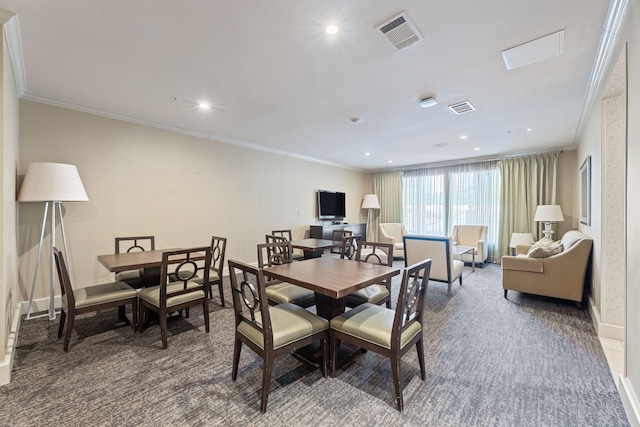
<point>392,232</point>
<point>558,276</point>
<point>474,236</point>
<point>444,268</point>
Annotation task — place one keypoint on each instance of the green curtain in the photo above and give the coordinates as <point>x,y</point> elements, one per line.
<point>388,187</point>
<point>526,183</point>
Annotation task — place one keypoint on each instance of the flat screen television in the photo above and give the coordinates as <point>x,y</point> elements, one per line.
<point>331,205</point>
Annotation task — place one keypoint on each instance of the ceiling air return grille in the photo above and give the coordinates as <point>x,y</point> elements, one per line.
<point>400,31</point>
<point>462,107</point>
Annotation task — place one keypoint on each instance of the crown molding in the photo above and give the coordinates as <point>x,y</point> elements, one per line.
<point>615,18</point>
<point>11,29</point>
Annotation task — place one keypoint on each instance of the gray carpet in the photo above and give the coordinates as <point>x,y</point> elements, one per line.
<point>526,361</point>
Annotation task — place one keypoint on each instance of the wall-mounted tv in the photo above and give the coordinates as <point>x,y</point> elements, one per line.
<point>331,205</point>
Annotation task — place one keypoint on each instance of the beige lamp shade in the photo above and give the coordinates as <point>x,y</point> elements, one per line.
<point>370,202</point>
<point>549,213</point>
<point>521,239</point>
<point>58,182</point>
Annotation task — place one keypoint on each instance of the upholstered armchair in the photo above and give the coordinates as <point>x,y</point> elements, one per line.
<point>559,276</point>
<point>474,236</point>
<point>392,232</point>
<point>444,268</point>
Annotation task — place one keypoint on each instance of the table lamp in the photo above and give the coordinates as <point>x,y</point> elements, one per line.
<point>370,202</point>
<point>521,239</point>
<point>52,183</point>
<point>548,214</point>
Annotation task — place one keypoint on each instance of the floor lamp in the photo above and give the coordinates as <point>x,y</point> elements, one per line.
<point>370,203</point>
<point>52,183</point>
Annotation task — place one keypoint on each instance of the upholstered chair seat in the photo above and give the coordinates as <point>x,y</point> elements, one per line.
<point>372,293</point>
<point>374,253</point>
<point>444,267</point>
<point>390,333</point>
<point>284,292</point>
<point>100,294</point>
<point>152,294</point>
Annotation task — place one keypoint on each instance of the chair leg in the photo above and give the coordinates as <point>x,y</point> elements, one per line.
<point>460,279</point>
<point>134,312</point>
<point>142,318</point>
<point>220,288</point>
<point>395,370</point>
<point>266,381</point>
<point>325,357</point>
<point>505,294</point>
<point>420,348</point>
<point>334,355</point>
<point>449,290</point>
<point>205,311</point>
<point>67,334</point>
<point>121,313</point>
<point>163,328</point>
<point>63,316</point>
<point>237,348</point>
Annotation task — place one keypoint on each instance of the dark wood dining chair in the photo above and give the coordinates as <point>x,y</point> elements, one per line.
<point>375,253</point>
<point>89,299</point>
<point>390,333</point>
<point>288,235</point>
<point>179,288</point>
<point>270,331</point>
<point>278,252</point>
<point>133,244</point>
<point>349,246</point>
<point>337,236</point>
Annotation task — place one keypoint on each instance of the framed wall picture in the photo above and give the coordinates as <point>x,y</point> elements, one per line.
<point>585,191</point>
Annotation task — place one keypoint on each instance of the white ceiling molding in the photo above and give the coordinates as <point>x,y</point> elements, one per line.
<point>12,35</point>
<point>615,18</point>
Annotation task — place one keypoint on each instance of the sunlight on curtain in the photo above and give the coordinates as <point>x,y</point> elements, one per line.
<point>436,199</point>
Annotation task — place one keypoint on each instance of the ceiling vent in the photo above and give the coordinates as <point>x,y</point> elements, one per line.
<point>400,31</point>
<point>462,107</point>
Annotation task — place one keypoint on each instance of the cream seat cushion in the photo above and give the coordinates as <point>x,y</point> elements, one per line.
<point>289,323</point>
<point>373,323</point>
<point>283,292</point>
<point>372,294</point>
<point>100,294</point>
<point>152,294</point>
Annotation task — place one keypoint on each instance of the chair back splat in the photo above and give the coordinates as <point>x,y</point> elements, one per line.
<point>133,244</point>
<point>279,252</point>
<point>218,251</point>
<point>374,253</point>
<point>180,287</point>
<point>270,331</point>
<point>390,333</point>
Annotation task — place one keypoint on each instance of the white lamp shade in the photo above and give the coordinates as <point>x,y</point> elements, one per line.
<point>549,213</point>
<point>370,202</point>
<point>521,239</point>
<point>46,182</point>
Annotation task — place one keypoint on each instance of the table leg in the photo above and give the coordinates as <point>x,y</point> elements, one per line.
<point>473,261</point>
<point>312,254</point>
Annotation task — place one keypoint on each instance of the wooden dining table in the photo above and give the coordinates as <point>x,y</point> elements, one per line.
<point>332,279</point>
<point>149,262</point>
<point>314,248</point>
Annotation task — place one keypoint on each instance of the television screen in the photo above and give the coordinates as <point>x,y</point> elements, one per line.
<point>331,205</point>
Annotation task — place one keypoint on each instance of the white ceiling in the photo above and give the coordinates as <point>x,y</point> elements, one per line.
<point>278,81</point>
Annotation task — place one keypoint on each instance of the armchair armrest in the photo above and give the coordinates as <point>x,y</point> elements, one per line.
<point>522,249</point>
<point>521,263</point>
<point>385,238</point>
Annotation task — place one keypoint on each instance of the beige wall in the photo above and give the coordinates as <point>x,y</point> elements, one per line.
<point>8,252</point>
<point>182,189</point>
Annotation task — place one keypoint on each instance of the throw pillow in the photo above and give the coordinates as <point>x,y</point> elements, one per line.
<point>545,248</point>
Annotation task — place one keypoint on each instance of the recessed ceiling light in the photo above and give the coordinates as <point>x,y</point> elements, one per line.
<point>529,130</point>
<point>204,105</point>
<point>367,154</point>
<point>476,149</point>
<point>463,137</point>
<point>390,161</point>
<point>332,29</point>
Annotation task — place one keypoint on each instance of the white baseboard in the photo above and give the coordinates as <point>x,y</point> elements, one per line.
<point>40,305</point>
<point>6,365</point>
<point>630,401</point>
<point>605,330</point>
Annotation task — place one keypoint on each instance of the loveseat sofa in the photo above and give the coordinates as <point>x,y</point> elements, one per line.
<point>559,276</point>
